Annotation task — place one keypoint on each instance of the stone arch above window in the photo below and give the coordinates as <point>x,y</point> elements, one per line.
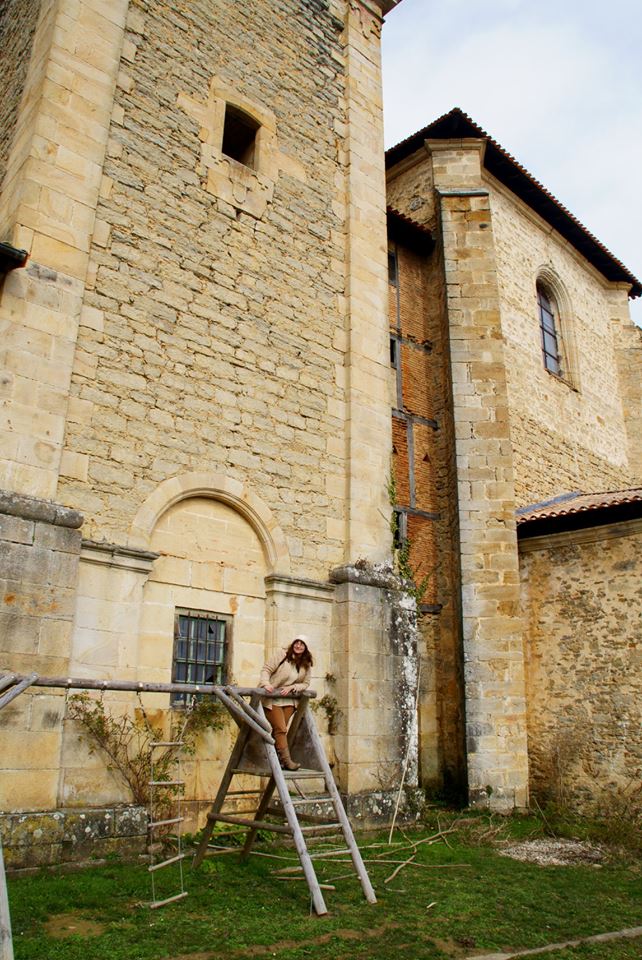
<point>215,487</point>
<point>556,327</point>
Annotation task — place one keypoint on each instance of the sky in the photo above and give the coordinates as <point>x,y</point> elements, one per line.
<point>558,83</point>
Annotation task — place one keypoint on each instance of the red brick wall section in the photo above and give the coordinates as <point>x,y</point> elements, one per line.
<point>423,555</point>
<point>426,458</point>
<point>415,373</point>
<point>400,461</point>
<point>412,294</point>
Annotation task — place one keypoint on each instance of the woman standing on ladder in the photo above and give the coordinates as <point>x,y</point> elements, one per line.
<point>285,674</point>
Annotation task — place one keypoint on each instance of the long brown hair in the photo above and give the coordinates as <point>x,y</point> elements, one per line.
<point>303,660</point>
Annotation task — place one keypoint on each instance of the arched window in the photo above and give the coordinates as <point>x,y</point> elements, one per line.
<point>550,330</point>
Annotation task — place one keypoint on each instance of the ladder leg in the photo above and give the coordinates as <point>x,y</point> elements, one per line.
<point>342,817</point>
<point>260,813</point>
<point>299,840</point>
<point>221,794</point>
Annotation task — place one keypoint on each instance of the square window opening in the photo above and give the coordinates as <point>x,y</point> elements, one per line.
<point>239,136</point>
<point>201,650</point>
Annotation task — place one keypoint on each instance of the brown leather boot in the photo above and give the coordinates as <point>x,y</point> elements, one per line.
<point>286,761</point>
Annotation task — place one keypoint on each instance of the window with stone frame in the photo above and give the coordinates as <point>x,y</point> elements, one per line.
<point>549,330</point>
<point>201,649</point>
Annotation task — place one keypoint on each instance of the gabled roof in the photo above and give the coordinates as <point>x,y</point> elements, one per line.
<point>458,125</point>
<point>573,511</point>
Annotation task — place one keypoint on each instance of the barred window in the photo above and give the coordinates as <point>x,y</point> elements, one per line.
<point>201,649</point>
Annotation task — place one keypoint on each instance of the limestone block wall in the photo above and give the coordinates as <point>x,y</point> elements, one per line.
<point>47,206</point>
<point>39,551</point>
<point>410,189</point>
<point>188,314</point>
<point>217,334</point>
<point>17,26</point>
<point>568,433</point>
<point>627,338</point>
<point>580,597</point>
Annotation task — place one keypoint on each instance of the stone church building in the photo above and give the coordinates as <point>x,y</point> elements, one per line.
<point>247,360</point>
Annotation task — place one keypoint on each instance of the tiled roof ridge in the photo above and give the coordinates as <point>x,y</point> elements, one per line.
<point>565,505</point>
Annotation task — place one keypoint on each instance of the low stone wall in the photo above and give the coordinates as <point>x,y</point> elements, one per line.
<point>65,836</point>
<point>581,593</point>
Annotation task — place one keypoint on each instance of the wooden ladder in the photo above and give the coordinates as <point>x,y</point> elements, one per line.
<point>156,823</point>
<point>254,754</point>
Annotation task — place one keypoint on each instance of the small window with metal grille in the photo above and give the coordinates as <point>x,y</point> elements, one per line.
<point>551,353</point>
<point>201,649</point>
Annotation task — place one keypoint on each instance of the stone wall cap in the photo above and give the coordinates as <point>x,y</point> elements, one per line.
<point>46,511</point>
<point>370,575</point>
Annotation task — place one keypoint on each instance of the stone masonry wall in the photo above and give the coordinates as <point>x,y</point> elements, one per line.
<point>581,599</point>
<point>411,190</point>
<point>628,352</point>
<point>491,627</point>
<point>213,338</point>
<point>17,26</point>
<point>39,551</point>
<point>567,434</point>
<point>32,840</point>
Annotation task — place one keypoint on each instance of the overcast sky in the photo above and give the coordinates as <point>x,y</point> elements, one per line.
<point>558,83</point>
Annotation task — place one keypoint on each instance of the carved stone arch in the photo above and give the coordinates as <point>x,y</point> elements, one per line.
<point>550,281</point>
<point>217,487</point>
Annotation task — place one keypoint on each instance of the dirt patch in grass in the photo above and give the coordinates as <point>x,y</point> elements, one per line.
<point>275,948</point>
<point>555,853</point>
<point>71,925</point>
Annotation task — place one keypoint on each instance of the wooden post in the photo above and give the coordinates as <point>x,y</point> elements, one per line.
<point>6,943</point>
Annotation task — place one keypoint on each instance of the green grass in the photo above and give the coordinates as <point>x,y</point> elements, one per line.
<point>239,910</point>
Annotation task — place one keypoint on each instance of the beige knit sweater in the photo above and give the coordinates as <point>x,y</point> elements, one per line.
<point>283,674</point>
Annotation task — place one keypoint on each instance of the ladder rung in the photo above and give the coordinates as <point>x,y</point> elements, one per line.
<point>167,783</point>
<point>167,743</point>
<point>161,903</point>
<point>304,775</point>
<point>302,801</point>
<point>164,823</point>
<point>320,828</point>
<point>319,819</point>
<point>252,824</point>
<point>166,863</point>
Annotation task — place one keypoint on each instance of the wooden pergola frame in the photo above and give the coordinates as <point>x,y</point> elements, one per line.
<point>13,684</point>
<point>255,734</point>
